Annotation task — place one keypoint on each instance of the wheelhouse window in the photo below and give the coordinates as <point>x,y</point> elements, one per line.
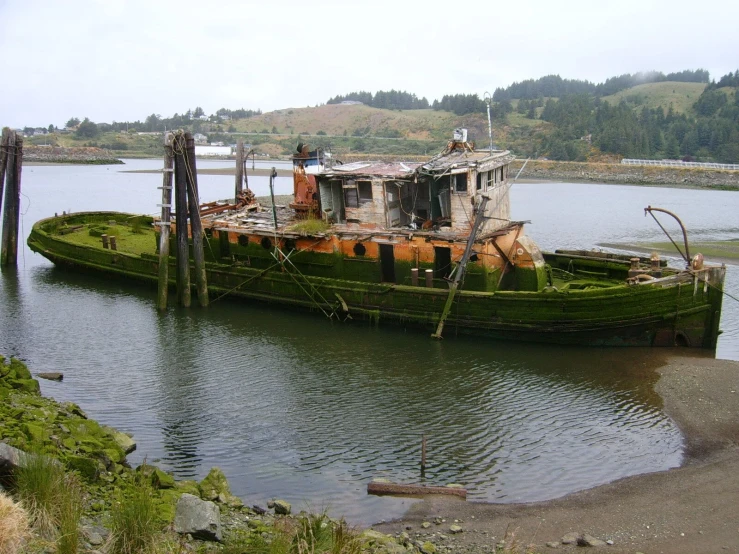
<point>365,191</point>
<point>460,182</point>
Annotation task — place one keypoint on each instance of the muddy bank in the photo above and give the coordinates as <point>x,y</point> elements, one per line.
<point>693,508</point>
<point>74,155</point>
<point>626,174</point>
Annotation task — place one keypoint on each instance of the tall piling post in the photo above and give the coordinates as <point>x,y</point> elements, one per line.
<point>3,162</point>
<point>165,222</point>
<point>239,170</point>
<point>181,168</point>
<point>196,225</point>
<point>12,205</point>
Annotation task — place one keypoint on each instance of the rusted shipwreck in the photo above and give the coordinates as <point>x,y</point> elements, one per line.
<point>428,245</point>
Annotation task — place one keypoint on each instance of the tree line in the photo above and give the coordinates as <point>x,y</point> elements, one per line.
<point>556,86</point>
<point>712,134</point>
<point>386,100</point>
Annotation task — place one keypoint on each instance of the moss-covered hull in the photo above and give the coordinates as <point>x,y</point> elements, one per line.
<point>682,309</point>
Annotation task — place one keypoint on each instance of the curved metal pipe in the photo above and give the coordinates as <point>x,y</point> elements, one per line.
<point>686,256</point>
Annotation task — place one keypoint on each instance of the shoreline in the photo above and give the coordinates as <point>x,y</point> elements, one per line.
<point>691,508</point>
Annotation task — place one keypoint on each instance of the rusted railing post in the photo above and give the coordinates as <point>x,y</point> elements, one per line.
<point>11,208</point>
<point>196,226</point>
<point>183,250</point>
<point>165,222</point>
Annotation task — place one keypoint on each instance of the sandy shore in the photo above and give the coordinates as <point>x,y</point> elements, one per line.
<point>691,509</point>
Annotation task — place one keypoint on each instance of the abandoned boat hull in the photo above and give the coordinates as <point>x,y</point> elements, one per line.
<point>683,309</point>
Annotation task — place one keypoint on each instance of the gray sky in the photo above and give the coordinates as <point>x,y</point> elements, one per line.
<point>125,59</point>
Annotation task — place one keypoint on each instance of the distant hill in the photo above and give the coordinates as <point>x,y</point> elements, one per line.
<point>353,120</point>
<point>681,96</point>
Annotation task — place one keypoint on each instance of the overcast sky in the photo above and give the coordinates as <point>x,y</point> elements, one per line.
<point>125,59</point>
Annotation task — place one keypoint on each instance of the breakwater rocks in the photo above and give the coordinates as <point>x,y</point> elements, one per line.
<point>72,155</point>
<point>626,174</point>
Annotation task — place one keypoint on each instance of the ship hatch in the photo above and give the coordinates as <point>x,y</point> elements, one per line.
<point>387,263</point>
<point>442,262</point>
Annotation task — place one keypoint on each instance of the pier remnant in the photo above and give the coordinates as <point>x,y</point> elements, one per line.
<point>196,225</point>
<point>181,168</point>
<point>240,161</point>
<point>165,222</point>
<point>11,160</point>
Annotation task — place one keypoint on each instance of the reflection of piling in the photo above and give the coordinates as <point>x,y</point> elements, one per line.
<point>196,226</point>
<point>423,454</point>
<point>165,222</point>
<point>180,187</point>
<point>239,170</point>
<point>11,160</point>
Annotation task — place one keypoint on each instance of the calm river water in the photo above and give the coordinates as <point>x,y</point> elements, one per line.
<point>292,406</point>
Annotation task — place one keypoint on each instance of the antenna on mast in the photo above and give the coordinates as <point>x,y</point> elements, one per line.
<point>488,101</point>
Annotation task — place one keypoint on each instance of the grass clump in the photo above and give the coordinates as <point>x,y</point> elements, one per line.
<point>310,227</point>
<point>134,524</point>
<point>53,498</point>
<point>311,534</point>
<point>14,525</point>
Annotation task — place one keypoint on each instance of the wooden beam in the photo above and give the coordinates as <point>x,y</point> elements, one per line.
<point>386,488</point>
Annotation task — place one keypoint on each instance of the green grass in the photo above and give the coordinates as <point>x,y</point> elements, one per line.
<point>726,250</point>
<point>134,523</point>
<point>133,239</point>
<point>53,498</point>
<point>312,534</point>
<point>310,227</point>
<point>682,96</point>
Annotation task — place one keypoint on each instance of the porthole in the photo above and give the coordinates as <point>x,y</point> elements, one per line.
<point>243,240</point>
<point>266,243</point>
<point>359,249</point>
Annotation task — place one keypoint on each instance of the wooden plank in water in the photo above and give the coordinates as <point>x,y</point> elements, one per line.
<point>387,488</point>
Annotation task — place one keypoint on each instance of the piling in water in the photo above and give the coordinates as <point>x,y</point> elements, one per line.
<point>164,224</point>
<point>196,226</point>
<point>13,155</point>
<point>183,254</point>
<point>239,188</point>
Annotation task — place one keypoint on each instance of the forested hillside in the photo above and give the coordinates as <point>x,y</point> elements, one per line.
<point>644,115</point>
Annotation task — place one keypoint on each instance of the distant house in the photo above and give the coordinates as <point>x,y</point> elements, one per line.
<point>201,150</point>
<point>225,117</point>
<point>200,138</point>
<point>203,117</point>
<point>352,103</point>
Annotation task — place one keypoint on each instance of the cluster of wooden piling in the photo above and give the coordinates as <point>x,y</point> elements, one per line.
<point>11,160</point>
<point>180,167</point>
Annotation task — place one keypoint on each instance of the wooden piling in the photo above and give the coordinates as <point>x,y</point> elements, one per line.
<point>183,252</point>
<point>165,222</point>
<point>113,242</point>
<point>196,225</point>
<point>414,276</point>
<point>239,170</point>
<point>12,205</point>
<point>429,278</point>
<point>3,162</point>
<point>104,238</point>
